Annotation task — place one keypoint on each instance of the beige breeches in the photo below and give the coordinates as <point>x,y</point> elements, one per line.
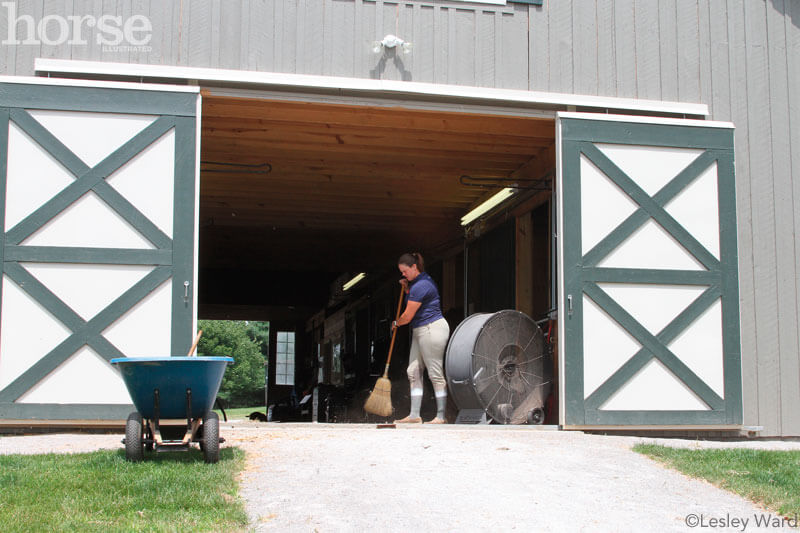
<point>427,351</point>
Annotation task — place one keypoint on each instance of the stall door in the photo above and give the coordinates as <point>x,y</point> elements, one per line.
<point>649,298</point>
<point>98,207</point>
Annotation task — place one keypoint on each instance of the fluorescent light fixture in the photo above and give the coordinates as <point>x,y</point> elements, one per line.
<point>487,206</point>
<point>349,285</point>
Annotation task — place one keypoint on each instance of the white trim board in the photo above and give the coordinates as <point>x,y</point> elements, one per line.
<point>645,120</point>
<point>70,82</point>
<point>209,77</point>
<point>360,99</point>
<point>668,427</point>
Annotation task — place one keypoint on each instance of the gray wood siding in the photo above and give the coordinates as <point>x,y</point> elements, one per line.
<point>741,57</point>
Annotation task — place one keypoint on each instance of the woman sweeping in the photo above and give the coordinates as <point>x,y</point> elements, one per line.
<point>430,332</point>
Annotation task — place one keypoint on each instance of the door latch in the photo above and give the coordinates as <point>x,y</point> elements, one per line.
<point>569,305</point>
<point>185,291</point>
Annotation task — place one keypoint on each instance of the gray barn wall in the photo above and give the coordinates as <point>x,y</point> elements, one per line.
<point>741,57</point>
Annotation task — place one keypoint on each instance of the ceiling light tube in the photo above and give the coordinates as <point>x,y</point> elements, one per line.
<point>349,285</point>
<point>487,206</point>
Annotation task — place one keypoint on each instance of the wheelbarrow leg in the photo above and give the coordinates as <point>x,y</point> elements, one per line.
<point>149,436</point>
<point>156,435</point>
<point>133,438</point>
<point>194,434</point>
<point>154,422</point>
<point>191,424</point>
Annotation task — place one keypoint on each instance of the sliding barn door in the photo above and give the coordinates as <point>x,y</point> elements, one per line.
<point>98,185</point>
<point>649,304</point>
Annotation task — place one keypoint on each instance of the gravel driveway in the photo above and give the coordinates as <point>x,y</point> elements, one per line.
<point>307,477</point>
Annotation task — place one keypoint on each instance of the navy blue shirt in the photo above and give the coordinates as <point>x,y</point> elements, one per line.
<point>424,290</point>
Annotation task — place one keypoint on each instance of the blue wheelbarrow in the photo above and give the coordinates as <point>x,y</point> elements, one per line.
<point>173,398</point>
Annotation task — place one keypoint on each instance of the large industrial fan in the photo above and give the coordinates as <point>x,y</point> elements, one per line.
<point>497,364</point>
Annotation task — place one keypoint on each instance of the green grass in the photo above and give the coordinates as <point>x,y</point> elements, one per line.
<point>241,412</point>
<point>770,478</point>
<point>101,491</point>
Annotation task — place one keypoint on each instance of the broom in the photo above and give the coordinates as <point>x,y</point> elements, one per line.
<point>380,399</point>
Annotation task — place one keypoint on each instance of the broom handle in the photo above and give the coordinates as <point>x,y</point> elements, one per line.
<point>394,334</point>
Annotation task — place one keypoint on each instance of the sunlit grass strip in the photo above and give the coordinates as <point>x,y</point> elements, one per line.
<point>101,491</point>
<point>771,478</point>
<point>239,413</point>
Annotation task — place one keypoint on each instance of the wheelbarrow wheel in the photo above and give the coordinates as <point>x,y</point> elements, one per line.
<point>210,443</point>
<point>133,438</point>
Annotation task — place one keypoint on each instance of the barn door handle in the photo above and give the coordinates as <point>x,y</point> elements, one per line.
<point>569,305</point>
<point>185,291</point>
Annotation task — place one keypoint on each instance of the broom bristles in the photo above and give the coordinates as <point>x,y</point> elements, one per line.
<point>380,400</point>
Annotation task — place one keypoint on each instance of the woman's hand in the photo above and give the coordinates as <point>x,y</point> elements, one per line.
<point>404,284</point>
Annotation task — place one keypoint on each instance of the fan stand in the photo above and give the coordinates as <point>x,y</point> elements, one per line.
<point>472,416</point>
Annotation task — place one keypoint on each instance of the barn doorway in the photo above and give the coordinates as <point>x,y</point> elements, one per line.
<point>297,198</point>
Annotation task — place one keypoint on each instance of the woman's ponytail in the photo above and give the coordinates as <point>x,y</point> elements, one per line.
<point>419,261</point>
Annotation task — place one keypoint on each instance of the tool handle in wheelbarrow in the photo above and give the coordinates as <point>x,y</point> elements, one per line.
<point>194,344</point>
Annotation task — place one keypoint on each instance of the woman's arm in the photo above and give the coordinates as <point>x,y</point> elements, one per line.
<point>408,314</point>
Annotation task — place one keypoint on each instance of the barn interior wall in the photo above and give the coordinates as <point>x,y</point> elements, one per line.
<point>741,58</point>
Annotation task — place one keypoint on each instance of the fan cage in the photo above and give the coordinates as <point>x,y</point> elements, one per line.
<point>498,362</point>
